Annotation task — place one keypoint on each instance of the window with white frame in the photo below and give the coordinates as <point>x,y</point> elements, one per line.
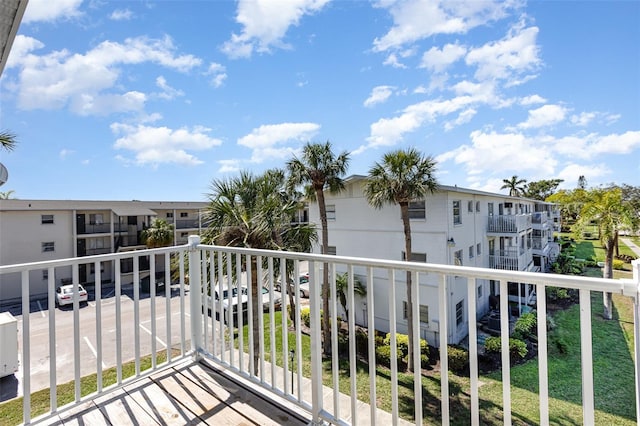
<point>470,206</point>
<point>417,210</point>
<point>459,313</point>
<point>331,212</point>
<point>46,219</point>
<point>424,312</point>
<point>184,214</point>
<point>332,250</point>
<point>479,249</point>
<point>477,206</point>
<point>45,274</point>
<point>457,256</point>
<point>415,257</point>
<point>48,246</point>
<point>457,217</point>
<point>471,252</point>
<point>169,215</point>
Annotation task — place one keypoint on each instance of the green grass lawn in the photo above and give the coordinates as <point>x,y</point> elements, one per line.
<point>613,376</point>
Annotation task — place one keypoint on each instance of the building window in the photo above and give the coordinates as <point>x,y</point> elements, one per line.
<point>332,250</point>
<point>477,206</point>
<point>490,209</point>
<point>184,234</point>
<point>457,218</point>
<point>478,249</point>
<point>470,206</point>
<point>184,214</point>
<point>459,313</point>
<point>415,257</point>
<point>417,210</point>
<point>47,219</point>
<point>45,274</point>
<point>49,246</point>
<point>479,292</point>
<point>331,212</point>
<point>471,252</point>
<point>169,215</point>
<point>96,219</point>
<point>424,312</point>
<point>457,256</point>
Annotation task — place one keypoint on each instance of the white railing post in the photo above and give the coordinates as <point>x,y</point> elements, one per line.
<point>315,301</point>
<point>195,300</point>
<point>636,331</point>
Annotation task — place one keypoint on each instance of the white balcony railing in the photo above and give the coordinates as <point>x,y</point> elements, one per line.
<point>509,224</point>
<point>202,336</point>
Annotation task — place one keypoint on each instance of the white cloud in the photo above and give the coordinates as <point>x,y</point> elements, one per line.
<point>121,15</point>
<point>168,92</point>
<point>64,153</point>
<point>546,115</point>
<point>583,119</point>
<point>415,20</point>
<point>50,11</point>
<point>158,145</point>
<point>85,83</point>
<point>22,45</point>
<point>515,54</point>
<point>531,100</point>
<point>218,74</point>
<point>229,166</point>
<point>378,95</point>
<point>393,61</point>
<point>464,117</point>
<point>438,60</point>
<point>269,140</point>
<point>265,23</point>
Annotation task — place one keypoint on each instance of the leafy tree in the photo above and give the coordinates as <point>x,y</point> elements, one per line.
<point>255,212</point>
<point>570,202</point>
<point>7,195</point>
<point>320,169</point>
<point>402,176</point>
<point>342,286</point>
<point>541,189</point>
<point>607,208</point>
<point>515,186</point>
<point>158,234</point>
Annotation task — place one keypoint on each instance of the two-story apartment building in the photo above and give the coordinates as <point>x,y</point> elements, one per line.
<point>36,230</point>
<point>453,226</point>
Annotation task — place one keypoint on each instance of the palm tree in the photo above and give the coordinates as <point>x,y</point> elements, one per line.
<point>342,285</point>
<point>403,176</point>
<point>8,140</point>
<point>320,169</point>
<point>158,234</point>
<point>255,212</point>
<point>515,186</point>
<point>607,208</point>
<point>7,194</point>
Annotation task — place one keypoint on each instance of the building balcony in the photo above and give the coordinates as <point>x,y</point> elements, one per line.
<point>508,224</point>
<point>91,228</point>
<point>511,260</point>
<point>162,358</point>
<point>187,224</point>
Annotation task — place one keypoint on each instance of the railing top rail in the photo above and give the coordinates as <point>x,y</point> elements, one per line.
<point>19,267</point>
<point>569,281</point>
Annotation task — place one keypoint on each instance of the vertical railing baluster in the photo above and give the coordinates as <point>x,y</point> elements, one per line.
<point>283,324</point>
<point>230,312</point>
<point>352,345</point>
<point>248,267</point>
<point>296,296</point>
<point>333,320</point>
<point>203,300</point>
<point>118,291</point>
<point>152,299</point>
<point>473,350</point>
<point>210,298</point>
<point>218,312</point>
<point>543,370</point>
<point>586,355</point>
<point>316,342</point>
<point>272,324</point>
<point>261,348</point>
<point>505,315</point>
<point>394,347</point>
<point>444,341</point>
<point>76,331</point>
<point>136,312</point>
<point>167,302</point>
<point>53,397</point>
<point>240,311</point>
<point>371,337</point>
<point>417,373</point>
<point>98,301</point>
<point>635,266</point>
<point>26,348</point>
<point>183,332</point>
<point>195,291</point>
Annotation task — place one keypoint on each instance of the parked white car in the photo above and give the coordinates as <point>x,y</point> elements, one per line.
<point>238,298</point>
<point>64,295</point>
<point>304,285</point>
<point>277,301</point>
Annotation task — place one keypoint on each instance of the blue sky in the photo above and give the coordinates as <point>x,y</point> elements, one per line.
<point>120,100</point>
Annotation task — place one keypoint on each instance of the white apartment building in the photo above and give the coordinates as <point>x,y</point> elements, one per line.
<point>453,226</point>
<point>36,230</point>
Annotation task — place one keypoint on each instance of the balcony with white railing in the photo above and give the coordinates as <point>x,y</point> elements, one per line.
<point>508,224</point>
<point>147,352</point>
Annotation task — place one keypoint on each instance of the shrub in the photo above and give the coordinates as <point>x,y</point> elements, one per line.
<point>517,348</point>
<point>458,358</point>
<point>424,353</point>
<point>525,325</point>
<point>402,343</point>
<point>362,342</point>
<point>305,316</point>
<point>383,356</point>
<point>618,264</point>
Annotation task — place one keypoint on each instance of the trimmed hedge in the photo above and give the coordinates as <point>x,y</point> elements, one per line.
<point>517,348</point>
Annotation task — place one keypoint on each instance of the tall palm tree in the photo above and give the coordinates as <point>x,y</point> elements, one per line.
<point>515,186</point>
<point>8,140</point>
<point>607,208</point>
<point>255,212</point>
<point>158,234</point>
<point>319,169</point>
<point>402,176</point>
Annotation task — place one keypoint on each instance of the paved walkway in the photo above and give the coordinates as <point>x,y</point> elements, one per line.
<point>631,245</point>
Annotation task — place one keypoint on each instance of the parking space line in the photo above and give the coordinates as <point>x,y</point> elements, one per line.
<point>157,338</point>
<point>93,350</point>
<point>41,310</point>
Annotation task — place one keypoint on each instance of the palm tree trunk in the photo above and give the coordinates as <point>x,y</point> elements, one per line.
<point>608,273</point>
<point>404,210</point>
<point>326,331</point>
